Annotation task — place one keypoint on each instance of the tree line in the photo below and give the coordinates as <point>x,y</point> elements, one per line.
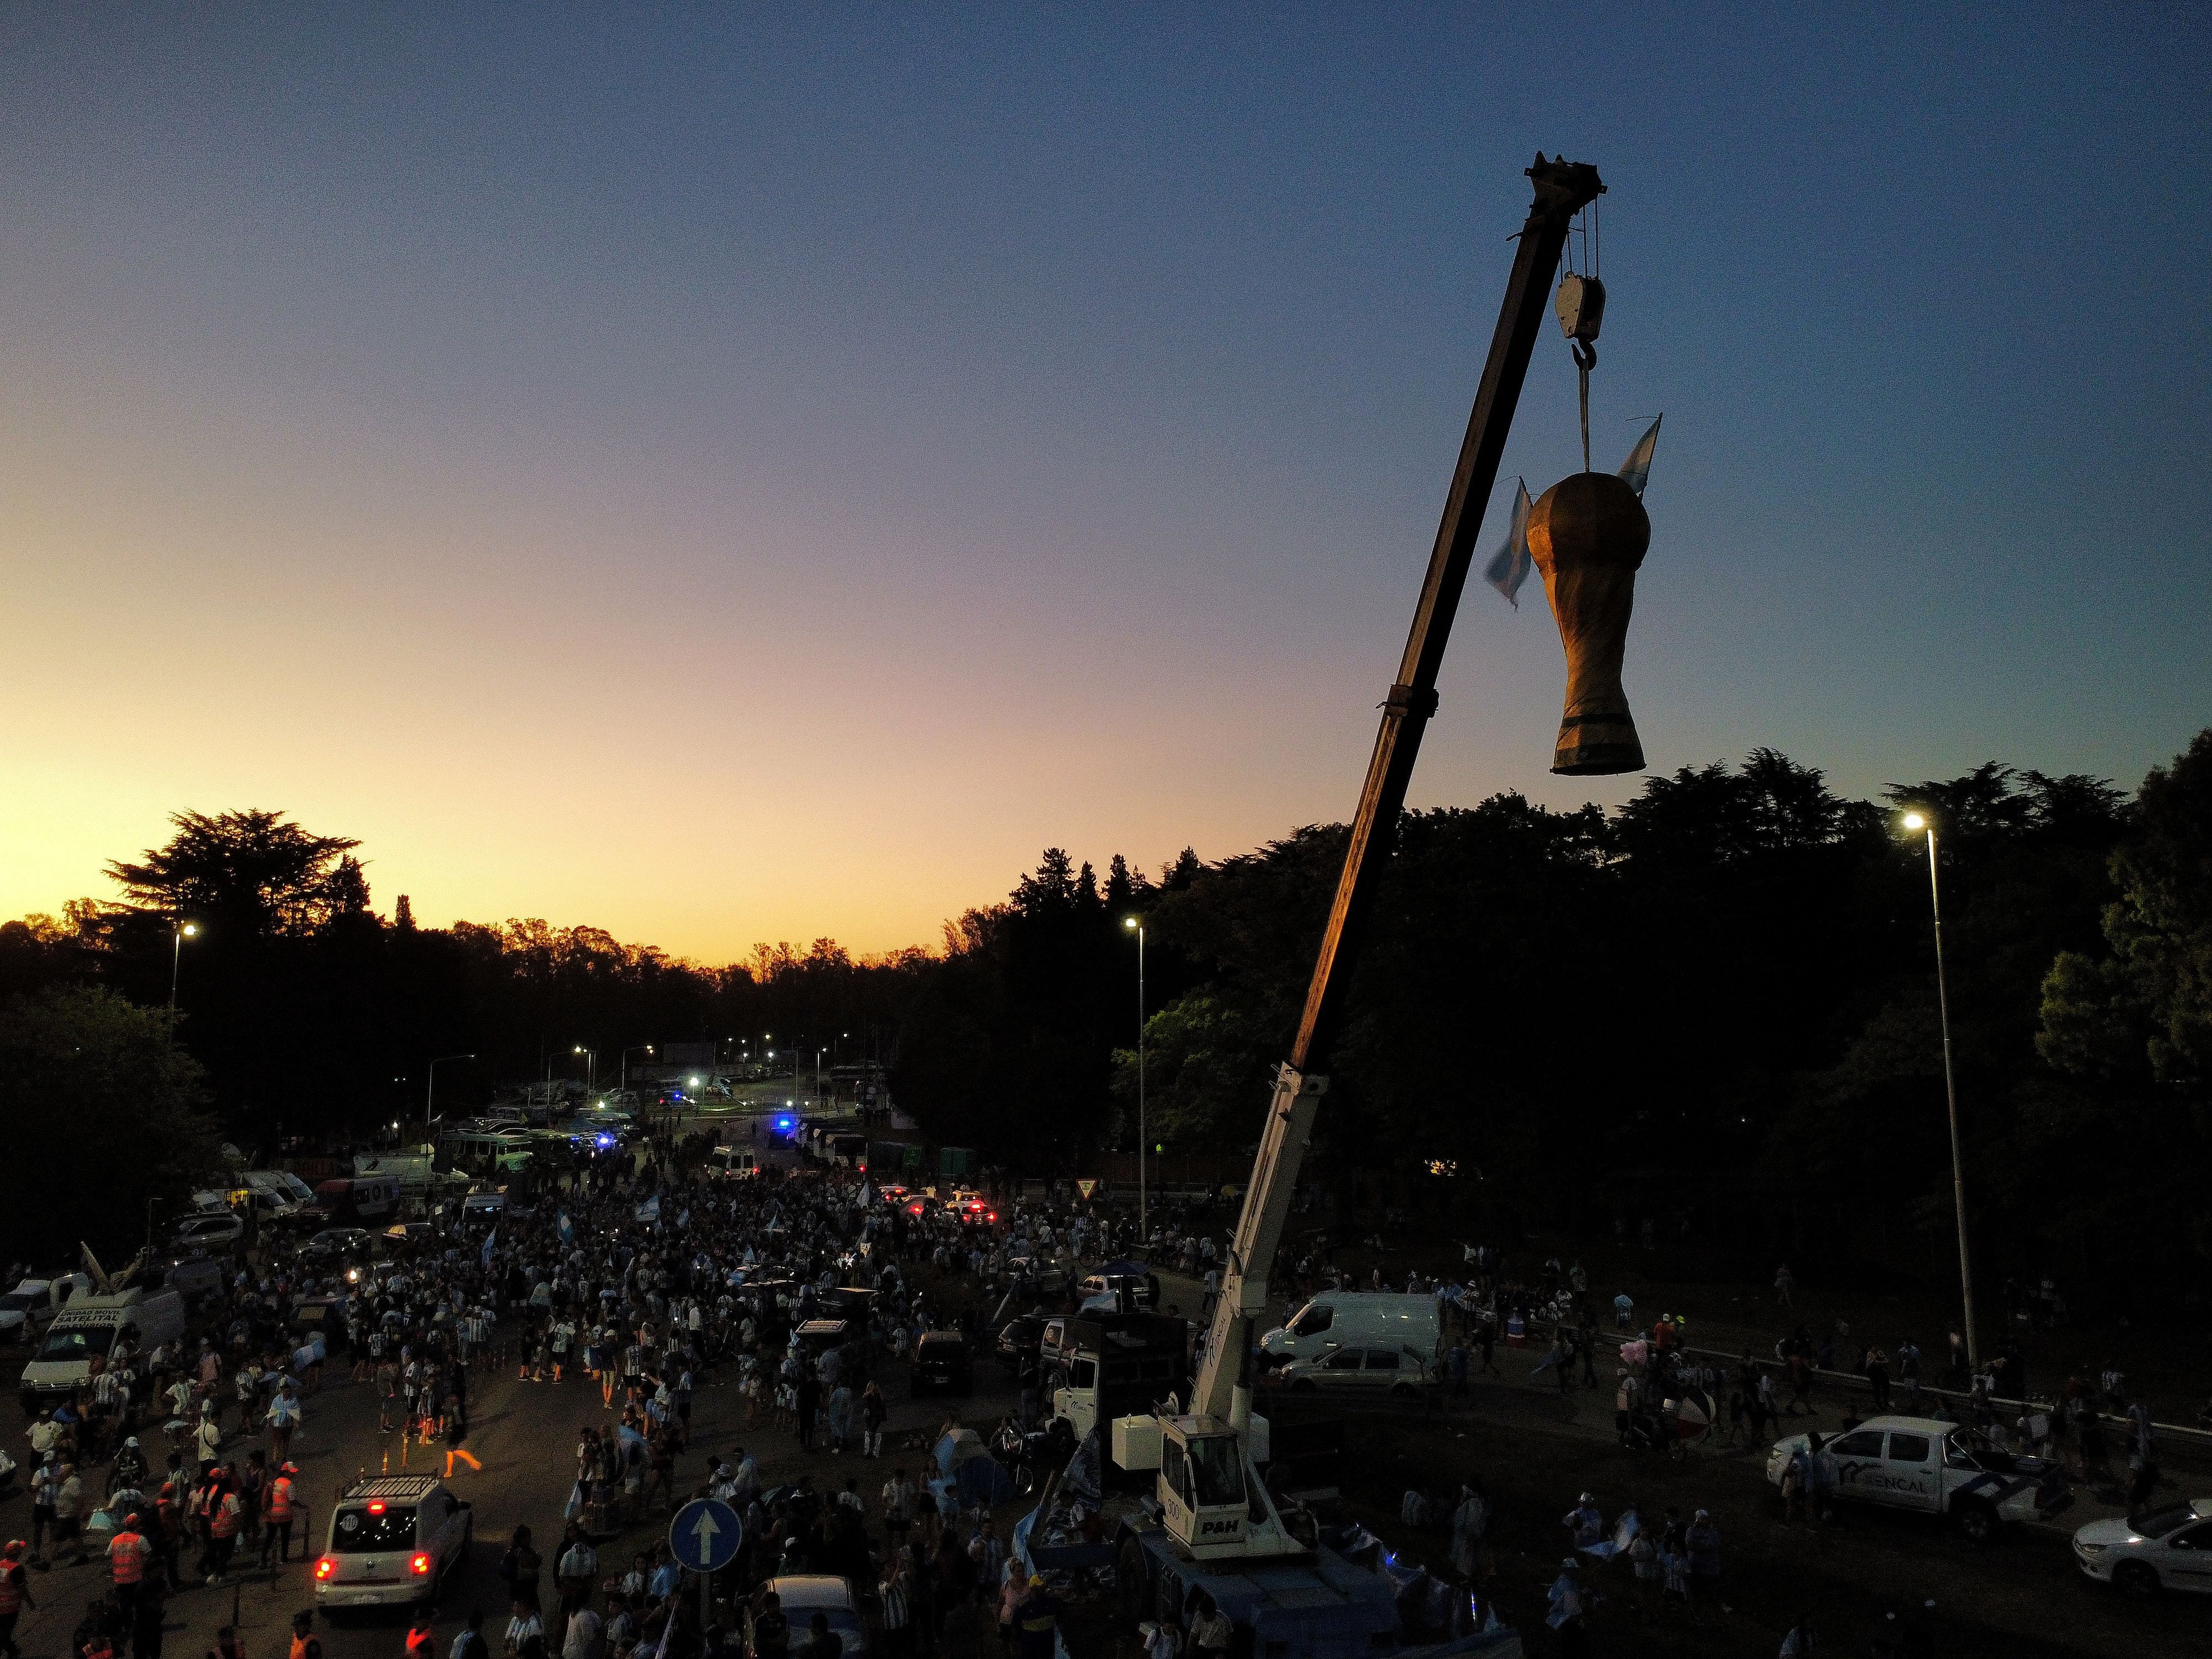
<point>1719,1000</point>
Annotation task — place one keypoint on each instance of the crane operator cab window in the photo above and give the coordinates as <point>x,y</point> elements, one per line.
<point>1216,1472</point>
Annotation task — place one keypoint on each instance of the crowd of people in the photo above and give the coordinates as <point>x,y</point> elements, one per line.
<point>638,1280</point>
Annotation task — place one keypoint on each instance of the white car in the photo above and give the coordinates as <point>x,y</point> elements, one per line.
<point>392,1538</point>
<point>805,1594</point>
<point>208,1233</point>
<point>1397,1371</point>
<point>2169,1548</point>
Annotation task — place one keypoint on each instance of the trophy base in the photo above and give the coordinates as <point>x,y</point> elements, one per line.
<point>1599,744</point>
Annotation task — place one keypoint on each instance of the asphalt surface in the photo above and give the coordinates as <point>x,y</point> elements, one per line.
<point>1537,1449</point>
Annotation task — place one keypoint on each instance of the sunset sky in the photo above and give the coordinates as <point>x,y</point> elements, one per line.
<point>724,474</point>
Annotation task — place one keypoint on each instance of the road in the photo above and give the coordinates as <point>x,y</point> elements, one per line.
<point>1536,1450</point>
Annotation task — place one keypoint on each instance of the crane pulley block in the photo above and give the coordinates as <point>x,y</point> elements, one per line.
<point>1580,304</point>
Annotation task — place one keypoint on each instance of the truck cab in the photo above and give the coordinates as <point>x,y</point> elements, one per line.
<point>1114,1364</point>
<point>90,1327</point>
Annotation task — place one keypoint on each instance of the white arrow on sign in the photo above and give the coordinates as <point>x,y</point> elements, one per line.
<point>705,1531</point>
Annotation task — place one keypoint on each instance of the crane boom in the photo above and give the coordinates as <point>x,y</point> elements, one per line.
<point>1223,1389</point>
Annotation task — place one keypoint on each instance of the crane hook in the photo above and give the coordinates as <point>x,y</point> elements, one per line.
<point>1585,360</point>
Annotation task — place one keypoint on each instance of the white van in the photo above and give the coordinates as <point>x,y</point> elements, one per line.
<point>733,1163</point>
<point>28,1310</point>
<point>1357,1319</point>
<point>92,1325</point>
<point>292,1192</point>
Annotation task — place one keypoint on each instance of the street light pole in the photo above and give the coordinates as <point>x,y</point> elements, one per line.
<point>634,1048</point>
<point>1915,821</point>
<point>179,932</point>
<point>590,1067</point>
<point>1143,1232</point>
<point>430,1095</point>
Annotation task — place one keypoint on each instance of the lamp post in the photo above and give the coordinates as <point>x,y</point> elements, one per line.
<point>590,1065</point>
<point>430,1094</point>
<point>179,932</point>
<point>1136,925</point>
<point>1915,821</point>
<point>634,1048</point>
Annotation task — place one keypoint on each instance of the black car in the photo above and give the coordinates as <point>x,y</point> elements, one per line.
<point>334,1244</point>
<point>1020,1338</point>
<point>942,1364</point>
<point>846,1302</point>
<point>323,1316</point>
<point>818,1336</point>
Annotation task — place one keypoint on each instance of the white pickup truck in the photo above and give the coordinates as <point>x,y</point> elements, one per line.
<point>1926,1464</point>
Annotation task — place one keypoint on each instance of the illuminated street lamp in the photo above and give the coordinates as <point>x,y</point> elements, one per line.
<point>1136,925</point>
<point>636,1047</point>
<point>1915,821</point>
<point>591,1064</point>
<point>179,932</point>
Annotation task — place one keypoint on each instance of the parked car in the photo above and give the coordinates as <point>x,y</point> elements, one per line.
<point>942,1364</point>
<point>392,1541</point>
<point>852,1302</point>
<point>818,1336</point>
<point>209,1232</point>
<point>1130,1289</point>
<point>805,1594</point>
<point>195,1277</point>
<point>1366,1370</point>
<point>2165,1548</point>
<point>1927,1464</point>
<point>1019,1336</point>
<point>320,1317</point>
<point>336,1244</point>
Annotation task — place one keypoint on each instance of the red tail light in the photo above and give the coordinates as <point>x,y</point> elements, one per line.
<point>325,1566</point>
<point>420,1566</point>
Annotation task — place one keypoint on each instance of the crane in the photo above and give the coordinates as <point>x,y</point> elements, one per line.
<point>1213,1504</point>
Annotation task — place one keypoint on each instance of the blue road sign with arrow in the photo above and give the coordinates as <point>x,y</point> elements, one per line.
<point>704,1534</point>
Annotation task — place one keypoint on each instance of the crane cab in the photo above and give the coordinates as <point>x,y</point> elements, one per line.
<point>1212,1500</point>
<point>1200,1485</point>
